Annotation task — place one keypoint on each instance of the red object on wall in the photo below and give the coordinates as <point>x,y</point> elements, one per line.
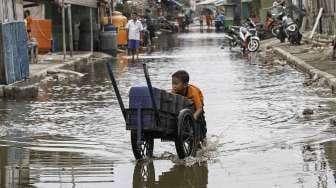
<point>41,30</point>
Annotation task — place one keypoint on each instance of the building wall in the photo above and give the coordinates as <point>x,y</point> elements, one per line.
<point>37,12</point>
<point>80,17</point>
<point>10,12</point>
<point>328,20</point>
<point>264,5</point>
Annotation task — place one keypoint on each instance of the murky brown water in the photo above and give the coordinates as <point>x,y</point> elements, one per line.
<point>74,135</point>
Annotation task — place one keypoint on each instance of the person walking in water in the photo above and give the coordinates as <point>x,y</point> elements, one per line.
<point>134,29</point>
<point>201,18</point>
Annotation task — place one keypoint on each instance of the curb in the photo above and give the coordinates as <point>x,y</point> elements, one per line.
<point>29,89</point>
<point>301,65</point>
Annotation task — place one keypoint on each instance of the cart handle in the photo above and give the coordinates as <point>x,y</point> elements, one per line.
<point>151,93</point>
<point>116,90</point>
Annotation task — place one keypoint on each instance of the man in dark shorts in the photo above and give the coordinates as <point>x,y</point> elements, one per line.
<point>134,29</point>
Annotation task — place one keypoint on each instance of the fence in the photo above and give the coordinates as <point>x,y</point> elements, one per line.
<point>328,20</point>
<point>14,65</point>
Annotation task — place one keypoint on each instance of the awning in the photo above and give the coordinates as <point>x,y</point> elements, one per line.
<point>223,2</point>
<point>215,2</point>
<point>207,2</point>
<point>86,3</point>
<point>176,2</point>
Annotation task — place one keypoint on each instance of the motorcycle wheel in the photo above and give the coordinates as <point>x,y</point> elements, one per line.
<point>275,31</point>
<point>253,45</point>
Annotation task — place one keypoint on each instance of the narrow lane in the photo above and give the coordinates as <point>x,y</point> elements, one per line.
<point>74,135</point>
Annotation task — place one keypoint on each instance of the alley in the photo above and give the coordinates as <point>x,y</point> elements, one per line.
<point>74,134</point>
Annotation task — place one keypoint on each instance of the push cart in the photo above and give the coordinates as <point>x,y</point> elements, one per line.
<point>156,114</point>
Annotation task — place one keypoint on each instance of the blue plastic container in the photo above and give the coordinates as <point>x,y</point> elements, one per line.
<point>141,105</point>
<point>110,28</point>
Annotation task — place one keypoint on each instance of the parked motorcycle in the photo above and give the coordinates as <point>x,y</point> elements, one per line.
<point>220,23</point>
<point>245,36</point>
<point>287,27</point>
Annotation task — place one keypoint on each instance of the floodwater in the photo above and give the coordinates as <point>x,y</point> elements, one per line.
<point>74,134</point>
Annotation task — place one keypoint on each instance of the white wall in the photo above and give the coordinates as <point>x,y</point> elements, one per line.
<point>37,12</point>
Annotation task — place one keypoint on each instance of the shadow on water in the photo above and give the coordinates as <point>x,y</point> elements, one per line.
<point>179,176</point>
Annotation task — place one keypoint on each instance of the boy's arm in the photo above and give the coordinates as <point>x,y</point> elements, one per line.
<point>127,29</point>
<point>198,113</point>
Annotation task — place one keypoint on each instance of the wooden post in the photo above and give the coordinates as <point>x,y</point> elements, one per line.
<point>63,30</point>
<point>14,10</point>
<point>91,30</point>
<point>110,7</point>
<point>98,17</point>
<point>70,30</point>
<point>2,13</point>
<point>316,23</point>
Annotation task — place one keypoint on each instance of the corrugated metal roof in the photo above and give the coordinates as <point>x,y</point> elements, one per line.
<point>86,3</point>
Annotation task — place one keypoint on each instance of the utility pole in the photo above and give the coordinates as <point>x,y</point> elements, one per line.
<point>238,12</point>
<point>91,29</point>
<point>70,30</point>
<point>63,30</point>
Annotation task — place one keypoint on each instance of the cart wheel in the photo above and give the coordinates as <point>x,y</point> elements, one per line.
<point>185,141</point>
<point>145,149</point>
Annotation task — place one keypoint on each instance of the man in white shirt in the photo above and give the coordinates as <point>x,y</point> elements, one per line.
<point>134,28</point>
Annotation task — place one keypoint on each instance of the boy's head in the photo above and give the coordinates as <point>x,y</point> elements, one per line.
<point>26,13</point>
<point>180,80</point>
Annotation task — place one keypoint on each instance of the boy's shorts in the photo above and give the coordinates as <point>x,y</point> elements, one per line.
<point>133,44</point>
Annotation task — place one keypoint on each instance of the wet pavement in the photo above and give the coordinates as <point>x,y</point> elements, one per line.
<point>73,135</point>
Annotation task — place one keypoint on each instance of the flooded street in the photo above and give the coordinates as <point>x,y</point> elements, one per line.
<point>74,134</point>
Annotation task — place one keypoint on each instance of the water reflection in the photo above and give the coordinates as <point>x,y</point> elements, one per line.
<point>13,164</point>
<point>329,149</point>
<point>21,168</point>
<point>76,137</point>
<point>179,176</point>
<point>167,42</point>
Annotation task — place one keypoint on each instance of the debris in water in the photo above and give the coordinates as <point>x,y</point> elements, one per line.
<point>333,121</point>
<point>308,111</point>
<point>3,131</point>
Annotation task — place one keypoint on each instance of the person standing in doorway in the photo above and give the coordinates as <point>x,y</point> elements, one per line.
<point>134,29</point>
<point>28,22</point>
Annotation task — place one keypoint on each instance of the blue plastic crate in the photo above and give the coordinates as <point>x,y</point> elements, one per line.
<point>139,97</point>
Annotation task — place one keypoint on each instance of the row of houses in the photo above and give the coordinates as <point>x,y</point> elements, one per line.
<point>327,24</point>
<point>78,14</point>
<point>58,25</point>
<point>237,10</point>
